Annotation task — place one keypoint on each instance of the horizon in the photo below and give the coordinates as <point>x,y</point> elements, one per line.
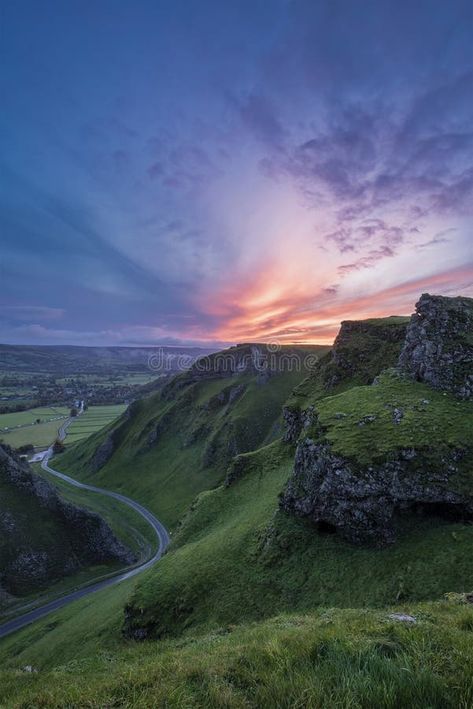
<point>214,173</point>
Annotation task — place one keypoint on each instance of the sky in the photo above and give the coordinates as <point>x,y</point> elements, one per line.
<point>208,171</point>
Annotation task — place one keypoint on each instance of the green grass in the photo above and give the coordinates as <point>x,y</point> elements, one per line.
<point>25,418</point>
<point>91,421</point>
<point>43,434</point>
<point>23,429</point>
<point>342,659</point>
<point>430,419</point>
<point>236,558</point>
<point>40,436</point>
<point>252,607</point>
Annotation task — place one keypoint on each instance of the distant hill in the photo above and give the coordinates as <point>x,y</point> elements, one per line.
<point>72,359</point>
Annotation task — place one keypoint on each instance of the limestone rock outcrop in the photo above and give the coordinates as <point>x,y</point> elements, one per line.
<point>360,503</point>
<point>438,348</point>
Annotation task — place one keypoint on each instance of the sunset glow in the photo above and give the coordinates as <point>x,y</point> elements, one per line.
<point>312,165</point>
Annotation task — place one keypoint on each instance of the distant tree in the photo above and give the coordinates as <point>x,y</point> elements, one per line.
<point>38,421</point>
<point>58,446</point>
<point>74,411</point>
<point>26,448</point>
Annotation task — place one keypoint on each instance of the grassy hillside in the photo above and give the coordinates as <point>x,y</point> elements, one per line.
<point>331,658</point>
<point>179,441</point>
<point>237,558</point>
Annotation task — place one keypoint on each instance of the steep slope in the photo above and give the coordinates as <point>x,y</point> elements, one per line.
<point>42,537</point>
<point>362,349</point>
<point>172,445</point>
<point>392,459</point>
<point>371,453</point>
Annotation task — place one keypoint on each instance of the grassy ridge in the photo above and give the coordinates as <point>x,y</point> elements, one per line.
<point>429,419</point>
<point>362,349</point>
<point>174,447</point>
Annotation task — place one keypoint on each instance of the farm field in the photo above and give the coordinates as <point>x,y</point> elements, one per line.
<point>92,420</point>
<point>19,429</point>
<point>29,417</point>
<point>40,435</point>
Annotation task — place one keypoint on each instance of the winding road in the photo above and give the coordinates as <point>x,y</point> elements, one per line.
<point>159,529</point>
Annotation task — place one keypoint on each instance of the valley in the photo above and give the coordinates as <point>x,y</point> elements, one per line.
<point>311,509</point>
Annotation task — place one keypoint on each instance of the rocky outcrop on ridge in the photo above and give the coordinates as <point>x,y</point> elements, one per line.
<point>361,350</point>
<point>438,348</point>
<point>361,501</point>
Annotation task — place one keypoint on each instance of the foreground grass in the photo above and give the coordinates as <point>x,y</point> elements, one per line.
<point>332,658</point>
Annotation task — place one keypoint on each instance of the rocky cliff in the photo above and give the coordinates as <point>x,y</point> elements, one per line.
<point>43,537</point>
<point>362,349</point>
<point>372,453</point>
<point>438,348</point>
<point>361,502</point>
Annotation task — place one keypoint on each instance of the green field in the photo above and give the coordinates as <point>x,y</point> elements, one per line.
<point>29,417</point>
<point>19,429</point>
<point>91,421</point>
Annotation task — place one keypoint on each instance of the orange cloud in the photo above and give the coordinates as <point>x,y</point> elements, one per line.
<point>287,312</point>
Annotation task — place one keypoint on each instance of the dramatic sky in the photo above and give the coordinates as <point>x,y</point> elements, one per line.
<point>230,170</point>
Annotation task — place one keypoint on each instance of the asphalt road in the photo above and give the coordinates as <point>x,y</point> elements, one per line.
<point>161,534</point>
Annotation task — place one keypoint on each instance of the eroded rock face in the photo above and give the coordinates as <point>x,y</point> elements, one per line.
<point>363,348</point>
<point>295,421</point>
<point>438,348</point>
<point>360,503</point>
<point>28,560</point>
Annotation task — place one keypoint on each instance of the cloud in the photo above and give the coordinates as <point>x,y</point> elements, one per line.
<point>368,261</point>
<point>30,312</point>
<point>259,117</point>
